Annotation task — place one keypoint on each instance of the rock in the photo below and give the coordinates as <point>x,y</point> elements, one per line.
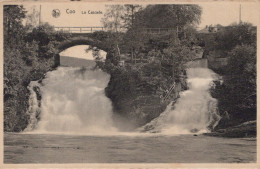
<point>137,92</point>
<point>194,130</point>
<point>247,129</point>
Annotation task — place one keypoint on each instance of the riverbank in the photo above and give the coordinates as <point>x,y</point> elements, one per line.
<point>16,92</point>
<point>28,56</point>
<point>244,130</point>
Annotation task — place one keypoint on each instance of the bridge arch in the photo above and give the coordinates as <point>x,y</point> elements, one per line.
<point>81,41</point>
<point>74,41</point>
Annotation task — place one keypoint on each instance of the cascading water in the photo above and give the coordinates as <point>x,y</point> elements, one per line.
<point>72,101</point>
<point>195,110</point>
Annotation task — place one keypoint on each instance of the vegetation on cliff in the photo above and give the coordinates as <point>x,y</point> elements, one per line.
<point>138,91</point>
<point>237,93</point>
<point>28,55</point>
<point>153,61</point>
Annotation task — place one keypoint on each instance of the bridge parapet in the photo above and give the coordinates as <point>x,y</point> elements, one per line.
<point>80,30</point>
<point>157,30</point>
<point>87,30</point>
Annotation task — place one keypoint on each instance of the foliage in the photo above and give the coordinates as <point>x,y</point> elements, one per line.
<point>27,57</point>
<point>13,28</point>
<point>135,91</point>
<point>112,20</point>
<point>168,16</point>
<point>172,60</point>
<point>118,18</point>
<point>110,41</point>
<point>182,31</point>
<point>97,57</point>
<point>237,94</point>
<point>188,36</point>
<point>136,41</point>
<point>32,18</point>
<point>129,15</point>
<point>47,39</point>
<point>231,36</point>
<point>20,67</point>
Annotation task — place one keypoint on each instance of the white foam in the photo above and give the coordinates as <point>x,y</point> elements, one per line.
<point>73,101</point>
<point>193,110</point>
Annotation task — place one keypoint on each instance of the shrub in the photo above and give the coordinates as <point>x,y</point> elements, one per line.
<point>237,94</point>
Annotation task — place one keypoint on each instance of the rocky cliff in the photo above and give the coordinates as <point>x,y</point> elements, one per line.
<point>138,92</point>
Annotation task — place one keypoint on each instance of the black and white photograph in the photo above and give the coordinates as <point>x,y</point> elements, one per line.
<point>130,83</point>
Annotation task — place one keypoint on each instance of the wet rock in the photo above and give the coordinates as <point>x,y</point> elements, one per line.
<point>138,92</point>
<point>247,129</point>
<point>194,130</point>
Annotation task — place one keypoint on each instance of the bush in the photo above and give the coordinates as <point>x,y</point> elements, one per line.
<point>231,36</point>
<point>27,58</point>
<point>237,94</point>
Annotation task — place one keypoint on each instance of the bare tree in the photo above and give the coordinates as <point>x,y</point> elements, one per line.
<point>112,20</point>
<point>32,18</point>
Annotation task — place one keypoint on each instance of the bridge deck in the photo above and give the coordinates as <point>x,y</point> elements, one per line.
<point>81,30</point>
<point>84,30</point>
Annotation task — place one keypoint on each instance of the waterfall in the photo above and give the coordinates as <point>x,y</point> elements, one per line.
<point>195,110</point>
<point>72,101</point>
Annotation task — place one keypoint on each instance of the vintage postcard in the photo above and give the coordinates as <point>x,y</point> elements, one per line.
<point>129,84</point>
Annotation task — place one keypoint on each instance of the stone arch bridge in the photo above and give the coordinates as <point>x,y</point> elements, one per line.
<point>82,36</point>
<point>78,40</point>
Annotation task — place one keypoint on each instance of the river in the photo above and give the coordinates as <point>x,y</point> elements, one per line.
<point>150,148</point>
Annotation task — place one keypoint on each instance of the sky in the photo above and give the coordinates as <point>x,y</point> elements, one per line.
<point>212,13</point>
<point>227,13</point>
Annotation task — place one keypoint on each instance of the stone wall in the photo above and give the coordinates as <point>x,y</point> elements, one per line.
<point>216,59</point>
<point>218,63</point>
<point>203,63</point>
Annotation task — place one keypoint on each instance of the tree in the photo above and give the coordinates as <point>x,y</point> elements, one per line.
<point>32,18</point>
<point>112,20</point>
<point>23,63</point>
<point>129,21</point>
<point>237,94</point>
<point>175,17</point>
<point>109,42</point>
<point>179,19</point>
<point>47,38</point>
<point>231,36</point>
<point>13,28</point>
<point>130,15</point>
<point>169,16</point>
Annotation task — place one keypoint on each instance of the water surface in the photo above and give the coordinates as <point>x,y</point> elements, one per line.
<point>34,148</point>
